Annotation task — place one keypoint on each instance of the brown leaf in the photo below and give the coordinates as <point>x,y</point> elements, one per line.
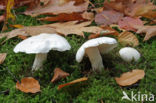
<point>128,38</point>
<point>149,30</point>
<point>28,85</point>
<point>130,78</point>
<point>22,37</point>
<point>108,17</point>
<point>2,57</point>
<point>28,31</point>
<point>73,82</point>
<point>73,27</point>
<point>2,18</point>
<point>106,31</point>
<point>59,74</point>
<point>17,26</point>
<point>64,17</point>
<point>54,7</point>
<point>129,23</point>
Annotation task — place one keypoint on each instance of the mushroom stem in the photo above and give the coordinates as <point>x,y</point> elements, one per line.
<point>38,62</point>
<point>95,58</point>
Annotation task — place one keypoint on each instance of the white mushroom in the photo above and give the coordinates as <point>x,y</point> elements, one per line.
<point>41,45</point>
<point>92,48</point>
<point>128,54</point>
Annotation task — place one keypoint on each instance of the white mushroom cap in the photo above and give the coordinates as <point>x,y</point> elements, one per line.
<point>104,44</point>
<point>128,54</point>
<point>43,43</point>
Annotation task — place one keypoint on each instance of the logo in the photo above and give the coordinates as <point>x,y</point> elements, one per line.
<point>138,96</point>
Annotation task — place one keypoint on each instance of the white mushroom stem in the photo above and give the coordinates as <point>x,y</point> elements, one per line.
<point>95,58</point>
<point>39,60</point>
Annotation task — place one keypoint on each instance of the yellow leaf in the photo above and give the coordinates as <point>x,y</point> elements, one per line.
<point>17,26</point>
<point>10,5</point>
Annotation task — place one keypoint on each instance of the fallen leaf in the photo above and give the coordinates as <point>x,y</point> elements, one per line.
<point>22,37</point>
<point>53,7</point>
<point>28,85</point>
<point>130,78</point>
<point>2,57</point>
<point>17,26</point>
<point>108,17</point>
<point>128,38</point>
<point>28,31</point>
<point>149,30</point>
<point>73,27</point>
<point>129,23</point>
<point>73,82</point>
<point>59,74</point>
<point>10,4</point>
<point>106,31</point>
<point>64,17</point>
<point>2,18</point>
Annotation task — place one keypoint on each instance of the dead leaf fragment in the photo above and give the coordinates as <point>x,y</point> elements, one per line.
<point>2,18</point>
<point>149,30</point>
<point>130,78</point>
<point>2,57</point>
<point>73,82</point>
<point>28,85</point>
<point>64,17</point>
<point>59,74</point>
<point>128,38</point>
<point>54,7</point>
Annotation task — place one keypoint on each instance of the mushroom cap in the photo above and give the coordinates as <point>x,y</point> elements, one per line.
<point>104,44</point>
<point>128,54</point>
<point>43,43</point>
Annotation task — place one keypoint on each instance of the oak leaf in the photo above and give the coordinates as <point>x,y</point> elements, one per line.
<point>73,27</point>
<point>54,7</point>
<point>69,17</point>
<point>149,30</point>
<point>73,82</point>
<point>108,17</point>
<point>130,78</point>
<point>129,23</point>
<point>128,38</point>
<point>59,74</point>
<point>28,85</point>
<point>2,57</point>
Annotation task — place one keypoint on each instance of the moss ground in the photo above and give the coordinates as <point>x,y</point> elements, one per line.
<point>98,87</point>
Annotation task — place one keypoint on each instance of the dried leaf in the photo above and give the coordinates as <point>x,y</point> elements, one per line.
<point>2,18</point>
<point>22,37</point>
<point>108,17</point>
<point>128,38</point>
<point>129,23</point>
<point>54,7</point>
<point>28,85</point>
<point>73,27</point>
<point>59,74</point>
<point>2,57</point>
<point>149,30</point>
<point>64,17</point>
<point>73,82</point>
<point>10,4</point>
<point>17,26</point>
<point>28,31</point>
<point>130,78</point>
<point>106,31</point>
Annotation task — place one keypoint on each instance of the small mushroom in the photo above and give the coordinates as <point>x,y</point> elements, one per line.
<point>128,54</point>
<point>41,45</point>
<point>92,48</point>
